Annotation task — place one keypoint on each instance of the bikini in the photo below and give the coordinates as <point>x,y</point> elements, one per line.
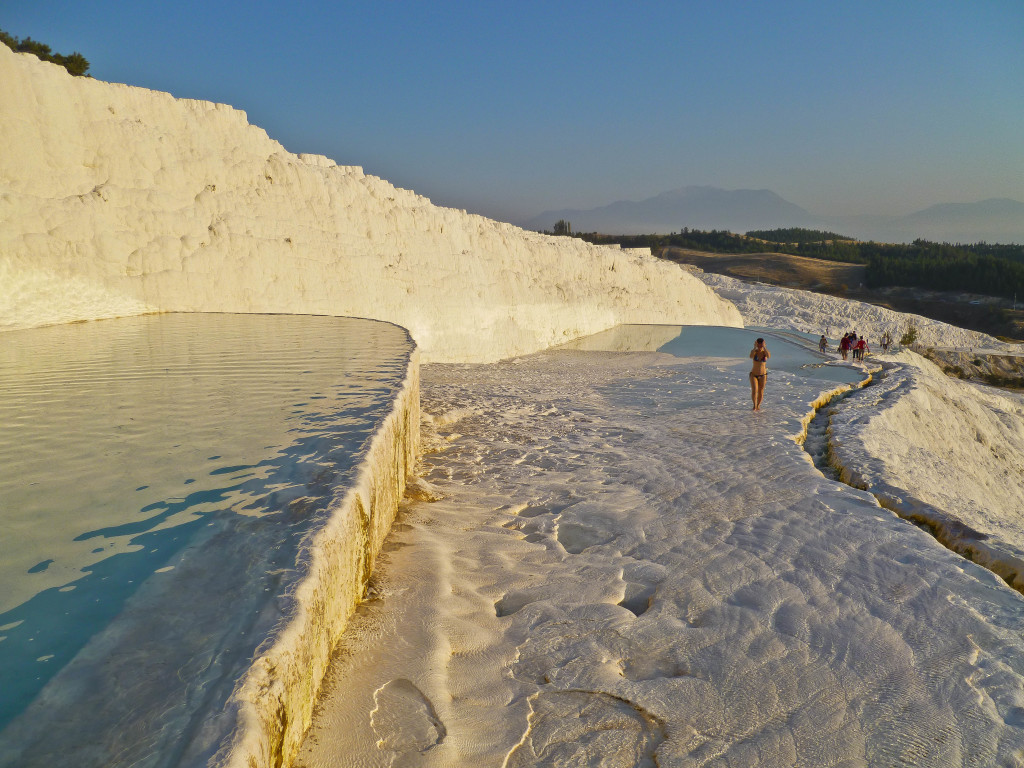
<point>760,360</point>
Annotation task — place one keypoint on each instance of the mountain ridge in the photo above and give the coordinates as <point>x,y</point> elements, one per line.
<point>995,219</point>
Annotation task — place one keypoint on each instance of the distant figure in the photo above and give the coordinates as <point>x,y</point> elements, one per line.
<point>886,341</point>
<point>860,349</point>
<point>844,345</point>
<point>759,373</point>
<point>822,343</point>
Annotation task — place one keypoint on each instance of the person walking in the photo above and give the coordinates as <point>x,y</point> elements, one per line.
<point>759,372</point>
<point>862,347</point>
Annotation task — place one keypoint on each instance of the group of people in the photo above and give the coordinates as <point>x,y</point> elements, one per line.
<point>852,344</point>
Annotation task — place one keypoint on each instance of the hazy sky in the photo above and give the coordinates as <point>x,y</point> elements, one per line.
<point>510,108</point>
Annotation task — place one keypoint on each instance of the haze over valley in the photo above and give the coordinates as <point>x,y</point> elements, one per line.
<point>994,220</point>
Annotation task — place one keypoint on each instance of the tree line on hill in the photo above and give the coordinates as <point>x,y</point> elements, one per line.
<point>796,235</point>
<point>75,63</point>
<point>948,268</point>
<point>983,268</point>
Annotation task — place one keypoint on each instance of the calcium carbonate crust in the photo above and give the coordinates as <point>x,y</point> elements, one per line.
<point>772,306</point>
<point>116,200</point>
<point>273,704</point>
<point>941,452</point>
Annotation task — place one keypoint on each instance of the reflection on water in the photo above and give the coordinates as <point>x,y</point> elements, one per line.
<point>717,342</point>
<point>157,477</point>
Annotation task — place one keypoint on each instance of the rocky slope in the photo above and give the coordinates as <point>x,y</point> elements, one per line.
<point>117,200</point>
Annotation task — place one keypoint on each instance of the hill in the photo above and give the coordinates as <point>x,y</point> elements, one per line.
<point>695,207</point>
<point>775,269</point>
<point>845,280</point>
<point>996,220</point>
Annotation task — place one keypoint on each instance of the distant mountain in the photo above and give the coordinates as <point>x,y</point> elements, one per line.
<point>737,210</point>
<point>996,220</point>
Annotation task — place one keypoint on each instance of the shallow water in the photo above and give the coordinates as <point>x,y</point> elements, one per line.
<point>626,566</point>
<point>158,476</point>
<point>690,341</point>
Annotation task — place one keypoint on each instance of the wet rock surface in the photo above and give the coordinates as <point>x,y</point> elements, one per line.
<point>619,576</point>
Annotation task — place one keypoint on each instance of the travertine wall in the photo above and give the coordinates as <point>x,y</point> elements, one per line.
<point>117,200</point>
<point>273,705</point>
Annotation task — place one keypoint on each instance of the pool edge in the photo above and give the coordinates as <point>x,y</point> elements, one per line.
<point>274,701</point>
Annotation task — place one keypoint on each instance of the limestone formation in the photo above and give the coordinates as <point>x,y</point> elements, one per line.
<point>116,200</point>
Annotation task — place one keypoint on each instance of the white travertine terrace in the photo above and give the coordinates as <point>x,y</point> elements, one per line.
<point>624,566</point>
<point>274,702</point>
<point>772,306</point>
<point>152,686</point>
<point>943,452</point>
<point>117,200</point>
<point>687,584</point>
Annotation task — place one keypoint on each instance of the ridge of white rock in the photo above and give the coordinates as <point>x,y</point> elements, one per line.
<point>275,699</point>
<point>116,200</point>
<point>773,306</point>
<point>942,452</point>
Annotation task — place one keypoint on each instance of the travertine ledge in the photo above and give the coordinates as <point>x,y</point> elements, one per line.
<point>117,200</point>
<point>273,704</point>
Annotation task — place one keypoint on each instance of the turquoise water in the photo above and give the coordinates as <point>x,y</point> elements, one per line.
<point>158,477</point>
<point>786,354</point>
<point>790,352</point>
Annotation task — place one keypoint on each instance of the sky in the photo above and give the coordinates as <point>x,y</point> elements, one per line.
<point>512,108</point>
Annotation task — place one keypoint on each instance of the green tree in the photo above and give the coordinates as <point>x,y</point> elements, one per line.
<point>75,63</point>
<point>909,334</point>
<point>563,227</point>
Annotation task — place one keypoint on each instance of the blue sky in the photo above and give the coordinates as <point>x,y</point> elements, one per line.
<point>511,108</point>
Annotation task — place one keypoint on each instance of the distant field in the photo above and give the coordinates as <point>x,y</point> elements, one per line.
<point>775,269</point>
<point>847,281</point>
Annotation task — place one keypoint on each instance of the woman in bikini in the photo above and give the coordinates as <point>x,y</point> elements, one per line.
<point>759,374</point>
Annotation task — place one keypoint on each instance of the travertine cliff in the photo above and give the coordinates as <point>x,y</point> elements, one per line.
<point>117,200</point>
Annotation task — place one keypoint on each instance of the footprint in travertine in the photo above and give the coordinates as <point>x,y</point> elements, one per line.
<point>586,728</point>
<point>637,597</point>
<point>575,538</point>
<point>533,510</point>
<point>419,489</point>
<point>405,722</point>
<point>513,602</point>
<point>653,667</point>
